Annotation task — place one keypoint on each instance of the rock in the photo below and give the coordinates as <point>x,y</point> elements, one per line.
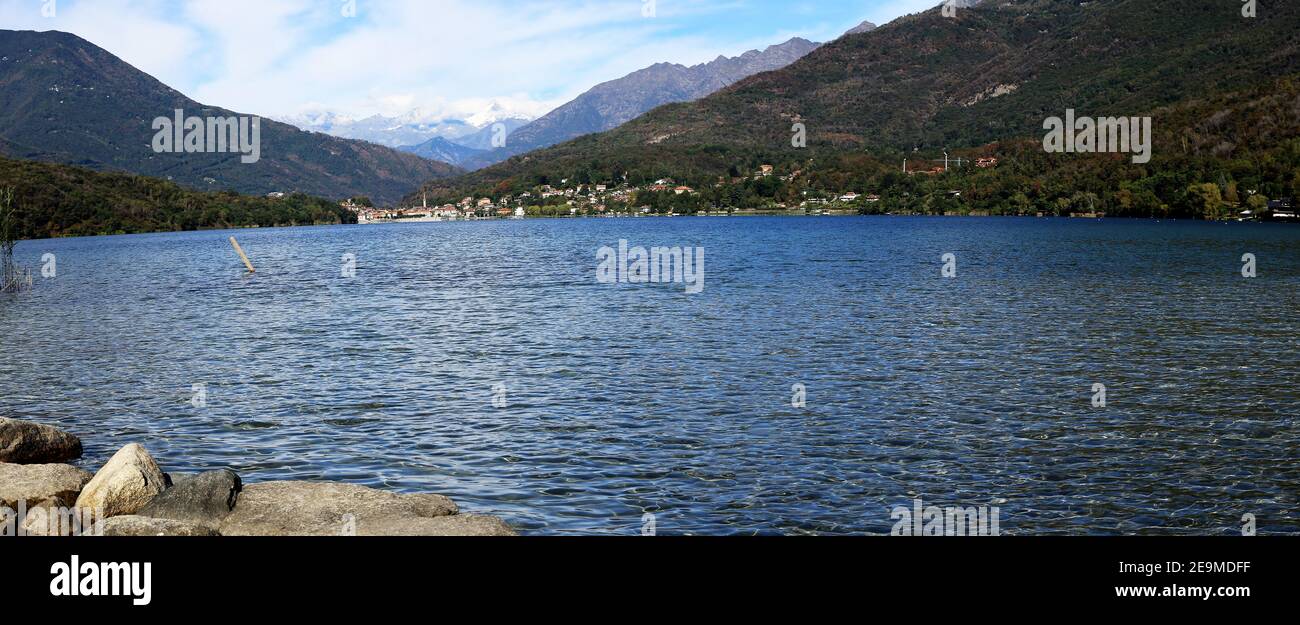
<point>132,525</point>
<point>32,484</point>
<point>205,498</point>
<point>324,509</point>
<point>456,525</point>
<point>128,481</point>
<point>24,442</point>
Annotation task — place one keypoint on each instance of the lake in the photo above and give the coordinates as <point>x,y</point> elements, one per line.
<point>484,361</point>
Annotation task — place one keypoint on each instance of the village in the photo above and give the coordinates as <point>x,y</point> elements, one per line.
<point>572,199</point>
<point>667,198</point>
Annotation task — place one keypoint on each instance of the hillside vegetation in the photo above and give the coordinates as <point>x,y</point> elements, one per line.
<point>53,200</point>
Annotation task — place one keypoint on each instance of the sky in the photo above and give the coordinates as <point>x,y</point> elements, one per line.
<point>444,58</point>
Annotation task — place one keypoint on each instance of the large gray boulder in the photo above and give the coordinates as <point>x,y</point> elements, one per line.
<point>126,483</point>
<point>32,484</point>
<point>132,525</point>
<point>325,509</point>
<point>206,498</point>
<point>24,442</point>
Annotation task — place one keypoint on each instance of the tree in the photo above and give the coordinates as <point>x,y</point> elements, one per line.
<point>1205,201</point>
<point>14,277</point>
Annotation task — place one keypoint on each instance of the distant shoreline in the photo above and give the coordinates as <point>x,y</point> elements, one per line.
<point>755,213</point>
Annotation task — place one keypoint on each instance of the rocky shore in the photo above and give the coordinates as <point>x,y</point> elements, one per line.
<point>41,495</point>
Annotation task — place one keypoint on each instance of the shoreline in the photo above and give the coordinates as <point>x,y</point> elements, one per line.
<point>130,495</point>
<point>634,216</point>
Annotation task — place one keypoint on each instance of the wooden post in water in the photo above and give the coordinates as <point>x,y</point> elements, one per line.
<point>242,255</point>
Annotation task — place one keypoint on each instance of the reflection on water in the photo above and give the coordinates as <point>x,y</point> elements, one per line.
<point>623,398</point>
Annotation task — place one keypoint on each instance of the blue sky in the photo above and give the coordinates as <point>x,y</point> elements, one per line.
<point>446,58</point>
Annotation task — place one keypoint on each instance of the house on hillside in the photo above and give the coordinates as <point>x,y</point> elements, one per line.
<point>1283,208</point>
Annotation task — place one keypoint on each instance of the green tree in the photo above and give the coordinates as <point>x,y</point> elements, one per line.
<point>1205,201</point>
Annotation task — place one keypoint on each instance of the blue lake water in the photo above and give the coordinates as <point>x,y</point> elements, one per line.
<point>631,398</point>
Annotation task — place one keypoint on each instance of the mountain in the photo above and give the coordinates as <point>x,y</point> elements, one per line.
<point>864,27</point>
<point>613,103</point>
<point>925,82</point>
<point>63,99</point>
<point>440,149</point>
<point>483,138</point>
<point>53,200</point>
<point>412,128</point>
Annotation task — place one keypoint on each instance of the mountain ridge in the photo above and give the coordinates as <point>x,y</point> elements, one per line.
<point>66,100</point>
<point>444,150</point>
<point>615,102</point>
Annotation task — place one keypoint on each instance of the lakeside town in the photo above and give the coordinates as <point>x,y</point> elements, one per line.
<point>667,197</point>
<point>575,199</point>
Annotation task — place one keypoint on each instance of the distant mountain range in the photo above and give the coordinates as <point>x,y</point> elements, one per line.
<point>440,149</point>
<point>412,128</point>
<point>469,143</point>
<point>65,100</point>
<point>464,149</point>
<point>611,104</point>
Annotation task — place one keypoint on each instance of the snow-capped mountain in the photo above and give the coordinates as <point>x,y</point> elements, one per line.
<point>412,128</point>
